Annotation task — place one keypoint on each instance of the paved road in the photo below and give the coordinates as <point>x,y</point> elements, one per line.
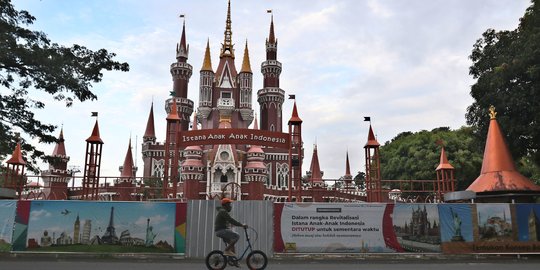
<point>275,264</point>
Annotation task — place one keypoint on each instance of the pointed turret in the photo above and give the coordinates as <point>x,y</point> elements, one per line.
<point>60,148</point>
<point>348,176</point>
<point>207,62</point>
<point>272,37</point>
<point>444,164</point>
<point>372,141</point>
<point>16,157</point>
<point>150,132</point>
<point>95,138</point>
<point>182,50</point>
<point>173,114</point>
<point>498,170</point>
<point>294,117</point>
<point>315,169</point>
<point>246,66</point>
<point>127,170</point>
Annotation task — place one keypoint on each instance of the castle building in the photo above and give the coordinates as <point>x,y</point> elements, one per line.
<point>225,102</point>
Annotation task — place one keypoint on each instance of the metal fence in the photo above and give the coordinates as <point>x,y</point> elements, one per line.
<point>200,237</point>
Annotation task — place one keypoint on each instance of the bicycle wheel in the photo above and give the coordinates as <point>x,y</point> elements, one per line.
<point>215,260</point>
<point>256,260</point>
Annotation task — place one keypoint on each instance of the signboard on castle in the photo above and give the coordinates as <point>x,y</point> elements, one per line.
<point>233,136</point>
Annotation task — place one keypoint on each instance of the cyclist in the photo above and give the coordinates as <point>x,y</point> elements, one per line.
<point>222,226</point>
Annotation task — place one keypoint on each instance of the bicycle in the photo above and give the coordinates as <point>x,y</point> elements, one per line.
<point>256,259</point>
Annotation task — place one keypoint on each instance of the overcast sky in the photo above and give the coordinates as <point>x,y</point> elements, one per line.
<point>403,63</point>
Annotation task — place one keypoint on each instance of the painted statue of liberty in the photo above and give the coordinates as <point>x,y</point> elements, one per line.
<point>150,235</point>
<point>456,226</point>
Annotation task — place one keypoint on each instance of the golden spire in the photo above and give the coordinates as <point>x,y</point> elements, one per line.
<point>227,46</point>
<point>492,112</point>
<point>246,66</point>
<point>207,63</point>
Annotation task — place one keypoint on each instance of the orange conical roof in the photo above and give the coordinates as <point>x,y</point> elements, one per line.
<point>127,169</point>
<point>16,157</point>
<point>173,114</point>
<point>150,131</point>
<point>95,134</point>
<point>444,164</point>
<point>60,148</point>
<point>372,141</point>
<point>498,169</point>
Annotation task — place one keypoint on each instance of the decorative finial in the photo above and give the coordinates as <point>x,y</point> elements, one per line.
<point>492,112</point>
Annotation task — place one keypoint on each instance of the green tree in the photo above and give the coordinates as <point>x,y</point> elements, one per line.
<point>30,62</point>
<point>415,156</point>
<point>506,65</point>
<point>360,180</point>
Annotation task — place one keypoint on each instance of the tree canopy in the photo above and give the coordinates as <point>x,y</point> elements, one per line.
<point>506,65</point>
<point>30,62</point>
<point>415,156</point>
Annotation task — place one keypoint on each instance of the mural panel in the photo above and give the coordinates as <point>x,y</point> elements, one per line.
<point>116,227</point>
<point>7,219</point>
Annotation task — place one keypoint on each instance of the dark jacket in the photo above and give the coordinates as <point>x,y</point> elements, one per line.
<point>224,220</point>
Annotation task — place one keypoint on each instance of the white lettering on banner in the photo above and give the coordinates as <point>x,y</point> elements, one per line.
<point>357,229</point>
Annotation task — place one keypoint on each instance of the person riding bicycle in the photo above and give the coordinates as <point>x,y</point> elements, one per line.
<point>222,226</point>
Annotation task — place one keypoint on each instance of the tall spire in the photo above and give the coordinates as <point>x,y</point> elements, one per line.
<point>294,117</point>
<point>182,50</point>
<point>207,63</point>
<point>347,166</point>
<point>315,168</point>
<point>227,46</point>
<point>127,168</point>
<point>150,132</point>
<point>60,149</point>
<point>372,141</point>
<point>272,36</point>
<point>246,66</point>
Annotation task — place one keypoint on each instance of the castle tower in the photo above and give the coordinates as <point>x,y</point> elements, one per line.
<point>92,164</point>
<point>445,175</point>
<point>56,178</point>
<point>373,168</point>
<point>230,90</point>
<point>181,73</point>
<point>271,97</point>
<point>315,179</point>
<point>498,174</point>
<point>255,172</point>
<point>124,184</point>
<point>193,169</point>
<point>296,153</point>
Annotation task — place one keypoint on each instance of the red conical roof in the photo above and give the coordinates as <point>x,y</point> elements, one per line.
<point>150,131</point>
<point>294,118</point>
<point>272,36</point>
<point>95,135</point>
<point>16,157</point>
<point>444,164</point>
<point>498,170</point>
<point>372,141</point>
<point>60,148</point>
<point>347,166</point>
<point>127,169</point>
<point>316,175</point>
